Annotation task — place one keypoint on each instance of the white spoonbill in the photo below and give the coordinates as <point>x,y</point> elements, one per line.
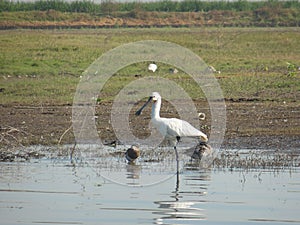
<point>171,128</point>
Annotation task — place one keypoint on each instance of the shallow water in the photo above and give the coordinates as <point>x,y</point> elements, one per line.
<point>52,190</point>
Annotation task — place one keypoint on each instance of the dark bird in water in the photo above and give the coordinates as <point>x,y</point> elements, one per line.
<point>201,149</point>
<point>132,153</point>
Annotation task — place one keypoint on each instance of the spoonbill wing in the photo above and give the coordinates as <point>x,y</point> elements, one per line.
<point>181,128</point>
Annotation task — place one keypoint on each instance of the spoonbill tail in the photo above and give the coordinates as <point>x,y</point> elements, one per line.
<point>171,128</point>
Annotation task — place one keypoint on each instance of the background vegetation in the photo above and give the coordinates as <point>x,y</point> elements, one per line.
<point>164,5</point>
<point>77,14</point>
<point>44,66</point>
<point>255,64</point>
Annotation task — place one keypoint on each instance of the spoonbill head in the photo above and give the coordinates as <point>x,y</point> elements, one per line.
<point>171,128</point>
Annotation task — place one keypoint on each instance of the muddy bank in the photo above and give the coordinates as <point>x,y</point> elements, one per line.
<point>252,125</point>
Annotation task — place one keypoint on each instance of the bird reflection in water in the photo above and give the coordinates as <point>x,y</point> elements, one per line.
<point>133,173</point>
<point>185,205</point>
<point>133,170</point>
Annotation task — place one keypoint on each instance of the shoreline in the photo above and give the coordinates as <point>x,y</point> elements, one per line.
<point>271,125</point>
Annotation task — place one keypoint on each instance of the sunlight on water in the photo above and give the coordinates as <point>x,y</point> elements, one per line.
<point>54,190</point>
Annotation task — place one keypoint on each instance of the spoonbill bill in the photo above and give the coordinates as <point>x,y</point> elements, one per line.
<point>171,128</point>
<point>132,153</point>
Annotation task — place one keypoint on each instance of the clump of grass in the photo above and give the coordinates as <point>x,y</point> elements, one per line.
<point>291,69</point>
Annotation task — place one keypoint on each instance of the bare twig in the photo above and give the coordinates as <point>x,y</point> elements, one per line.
<point>8,134</point>
<point>61,137</point>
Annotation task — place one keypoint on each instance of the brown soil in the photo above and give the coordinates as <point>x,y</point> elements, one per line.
<point>250,124</point>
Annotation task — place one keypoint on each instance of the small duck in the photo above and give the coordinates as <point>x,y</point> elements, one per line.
<point>132,153</point>
<point>201,149</point>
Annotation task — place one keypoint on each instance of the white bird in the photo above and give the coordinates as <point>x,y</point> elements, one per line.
<point>152,67</point>
<point>171,128</point>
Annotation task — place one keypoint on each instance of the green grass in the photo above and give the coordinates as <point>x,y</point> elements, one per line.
<point>50,90</point>
<point>44,66</point>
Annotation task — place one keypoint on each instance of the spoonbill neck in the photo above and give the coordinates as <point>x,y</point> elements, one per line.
<point>156,109</point>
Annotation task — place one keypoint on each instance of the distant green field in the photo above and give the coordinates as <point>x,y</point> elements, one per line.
<point>44,66</point>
